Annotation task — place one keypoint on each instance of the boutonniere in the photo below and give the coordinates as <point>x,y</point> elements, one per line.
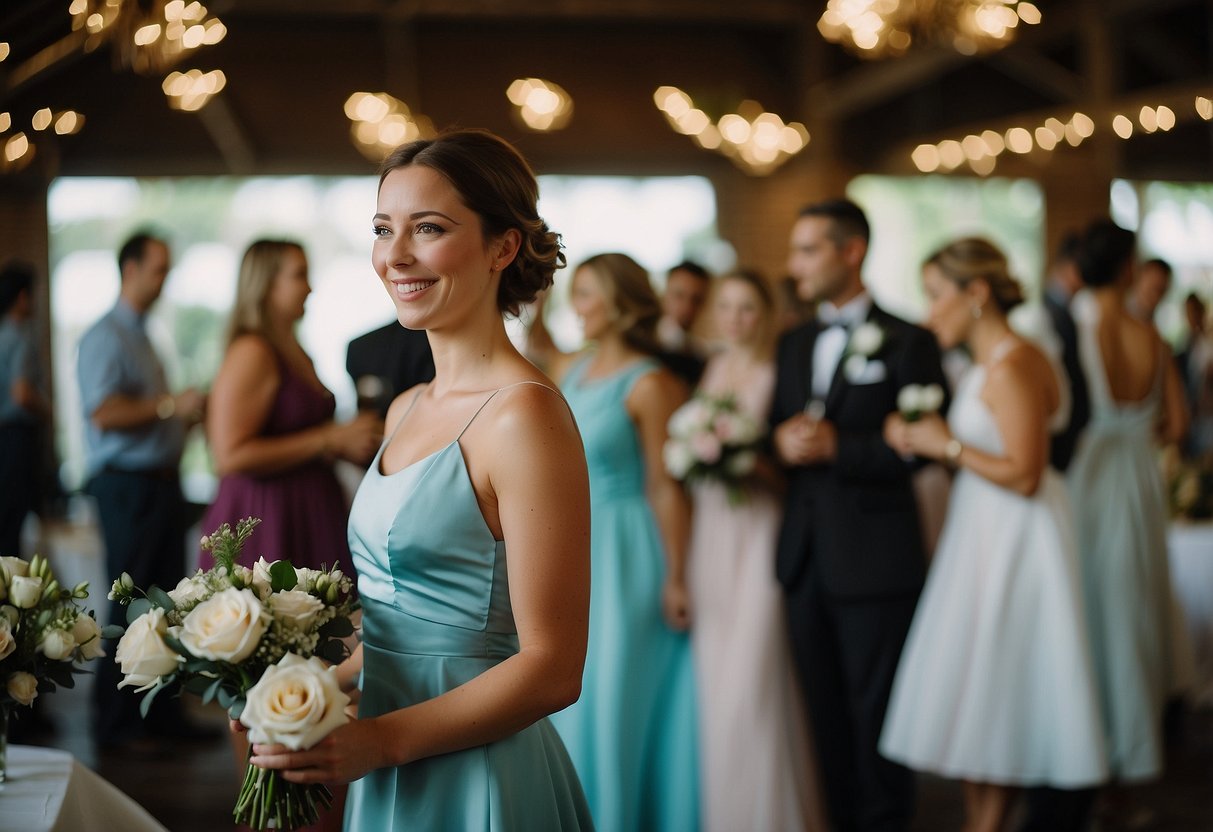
<point>866,340</point>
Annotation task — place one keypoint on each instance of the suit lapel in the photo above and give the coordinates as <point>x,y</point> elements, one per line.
<point>805,377</point>
<point>839,384</point>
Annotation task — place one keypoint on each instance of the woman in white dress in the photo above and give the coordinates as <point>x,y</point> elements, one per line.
<point>995,685</point>
<point>757,768</point>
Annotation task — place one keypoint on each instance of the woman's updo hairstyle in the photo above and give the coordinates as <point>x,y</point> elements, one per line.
<point>493,180</point>
<point>974,258</point>
<point>635,305</point>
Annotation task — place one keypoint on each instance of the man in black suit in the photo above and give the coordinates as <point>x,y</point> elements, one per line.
<point>850,552</point>
<point>1064,280</point>
<point>387,361</point>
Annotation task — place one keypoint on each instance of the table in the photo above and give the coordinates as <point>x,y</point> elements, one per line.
<point>1190,550</point>
<point>49,791</point>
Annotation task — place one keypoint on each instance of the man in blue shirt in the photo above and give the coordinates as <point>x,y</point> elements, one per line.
<point>135,432</point>
<point>23,407</point>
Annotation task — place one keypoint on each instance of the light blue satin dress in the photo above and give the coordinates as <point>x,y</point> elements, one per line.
<point>632,735</point>
<point>436,613</point>
<point>1122,520</point>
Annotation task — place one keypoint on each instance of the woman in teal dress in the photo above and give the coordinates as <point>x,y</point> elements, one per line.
<point>470,532</point>
<point>632,735</point>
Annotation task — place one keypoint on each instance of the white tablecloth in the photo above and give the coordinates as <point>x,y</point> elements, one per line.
<point>48,791</point>
<point>1190,546</point>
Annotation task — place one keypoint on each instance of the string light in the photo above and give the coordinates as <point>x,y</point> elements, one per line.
<point>191,90</point>
<point>149,36</point>
<point>755,140</point>
<point>540,105</point>
<point>380,122</point>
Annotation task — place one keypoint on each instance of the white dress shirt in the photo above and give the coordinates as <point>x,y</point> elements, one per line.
<point>832,340</point>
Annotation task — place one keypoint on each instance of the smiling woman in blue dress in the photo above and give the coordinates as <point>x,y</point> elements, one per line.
<point>470,532</point>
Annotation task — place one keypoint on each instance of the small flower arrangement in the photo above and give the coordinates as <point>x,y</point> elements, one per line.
<point>44,635</point>
<point>1190,488</point>
<point>227,634</point>
<point>917,400</point>
<point>711,438</point>
<point>858,359</point>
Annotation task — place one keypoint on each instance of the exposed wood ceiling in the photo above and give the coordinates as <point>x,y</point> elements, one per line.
<point>290,65</point>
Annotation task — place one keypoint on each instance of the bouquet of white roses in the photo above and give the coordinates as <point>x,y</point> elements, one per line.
<point>222,632</point>
<point>917,400</point>
<point>711,438</point>
<point>44,635</point>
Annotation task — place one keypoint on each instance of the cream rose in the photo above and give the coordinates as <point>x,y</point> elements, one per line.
<point>188,591</point>
<point>87,633</point>
<point>142,654</point>
<point>226,627</point>
<point>296,607</point>
<point>7,643</point>
<point>23,687</point>
<point>24,591</point>
<point>306,578</point>
<point>57,644</point>
<point>677,457</point>
<point>297,703</point>
<point>14,566</point>
<point>866,340</point>
<point>262,582</point>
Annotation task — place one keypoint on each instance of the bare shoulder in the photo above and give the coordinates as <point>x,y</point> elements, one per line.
<point>532,407</point>
<point>659,385</point>
<point>1024,368</point>
<point>400,405</point>
<point>252,352</point>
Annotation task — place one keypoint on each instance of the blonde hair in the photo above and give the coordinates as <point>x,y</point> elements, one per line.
<point>262,261</point>
<point>630,292</point>
<point>975,258</point>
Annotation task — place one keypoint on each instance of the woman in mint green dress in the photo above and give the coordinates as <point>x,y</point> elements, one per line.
<point>632,735</point>
<point>470,532</point>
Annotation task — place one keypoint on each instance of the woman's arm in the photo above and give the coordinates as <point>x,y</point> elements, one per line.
<point>651,402</point>
<point>240,404</point>
<point>528,466</point>
<point>1015,396</point>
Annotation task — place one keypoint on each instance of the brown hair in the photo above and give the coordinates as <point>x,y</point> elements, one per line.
<point>261,263</point>
<point>630,292</point>
<point>495,182</point>
<point>974,258</point>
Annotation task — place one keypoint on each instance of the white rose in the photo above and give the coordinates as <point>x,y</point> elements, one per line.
<point>296,607</point>
<point>854,367</point>
<point>241,576</point>
<point>226,627</point>
<point>57,644</point>
<point>262,582</point>
<point>23,687</point>
<point>678,458</point>
<point>142,654</point>
<point>87,633</point>
<point>25,592</point>
<point>931,398</point>
<point>866,339</point>
<point>7,643</point>
<point>297,703</point>
<point>188,591</point>
<point>14,566</point>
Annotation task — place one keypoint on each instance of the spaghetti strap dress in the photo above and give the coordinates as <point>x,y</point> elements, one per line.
<point>434,585</point>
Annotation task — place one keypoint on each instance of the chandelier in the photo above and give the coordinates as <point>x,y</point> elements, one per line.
<point>889,28</point>
<point>149,36</point>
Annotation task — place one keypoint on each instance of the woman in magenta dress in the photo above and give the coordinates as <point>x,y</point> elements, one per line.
<point>271,431</point>
<point>270,422</point>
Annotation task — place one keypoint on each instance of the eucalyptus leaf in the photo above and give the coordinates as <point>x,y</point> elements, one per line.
<point>113,631</point>
<point>137,608</point>
<point>146,704</point>
<point>161,598</point>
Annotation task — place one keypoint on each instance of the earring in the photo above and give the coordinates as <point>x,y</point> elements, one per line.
<point>976,310</point>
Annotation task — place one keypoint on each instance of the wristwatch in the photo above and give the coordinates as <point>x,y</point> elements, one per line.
<point>166,406</point>
<point>952,452</point>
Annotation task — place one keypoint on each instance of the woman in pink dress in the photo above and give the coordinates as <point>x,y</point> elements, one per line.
<point>757,762</point>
